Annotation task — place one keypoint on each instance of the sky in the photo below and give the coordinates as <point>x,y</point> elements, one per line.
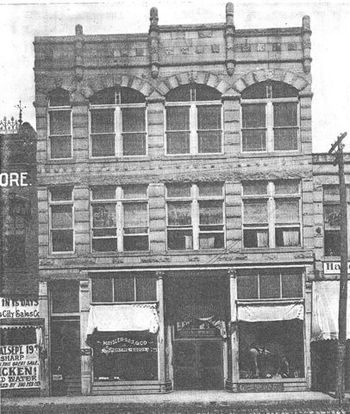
<point>22,20</point>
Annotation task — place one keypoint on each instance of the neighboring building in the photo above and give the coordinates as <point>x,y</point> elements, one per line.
<point>327,272</point>
<point>175,196</point>
<point>20,323</point>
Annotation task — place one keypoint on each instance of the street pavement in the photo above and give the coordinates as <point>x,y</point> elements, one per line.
<point>179,402</point>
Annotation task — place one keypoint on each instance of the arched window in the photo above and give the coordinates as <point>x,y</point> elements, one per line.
<point>193,120</point>
<point>60,124</point>
<point>118,123</point>
<point>270,117</point>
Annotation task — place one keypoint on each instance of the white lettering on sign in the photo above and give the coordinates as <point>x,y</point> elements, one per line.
<point>14,179</point>
<point>333,268</point>
<point>19,308</point>
<point>19,366</point>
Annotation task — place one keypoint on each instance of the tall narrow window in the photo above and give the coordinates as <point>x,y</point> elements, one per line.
<point>60,124</point>
<point>15,231</point>
<point>271,214</point>
<point>193,120</point>
<point>118,123</point>
<point>61,219</point>
<point>270,117</point>
<point>195,216</point>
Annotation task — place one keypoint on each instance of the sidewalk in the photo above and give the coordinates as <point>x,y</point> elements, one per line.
<point>178,402</point>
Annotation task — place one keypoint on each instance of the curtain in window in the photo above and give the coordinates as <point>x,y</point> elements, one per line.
<point>179,214</point>
<point>104,215</point>
<point>262,238</point>
<point>210,212</point>
<point>290,237</point>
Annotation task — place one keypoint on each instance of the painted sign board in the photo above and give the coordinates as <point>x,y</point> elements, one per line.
<point>19,308</point>
<point>333,268</point>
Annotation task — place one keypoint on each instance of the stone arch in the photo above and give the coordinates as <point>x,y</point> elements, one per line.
<point>261,75</point>
<point>184,78</point>
<point>98,83</point>
<point>48,84</point>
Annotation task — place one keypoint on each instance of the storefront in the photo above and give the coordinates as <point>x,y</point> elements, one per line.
<point>21,333</point>
<point>269,330</point>
<point>325,299</point>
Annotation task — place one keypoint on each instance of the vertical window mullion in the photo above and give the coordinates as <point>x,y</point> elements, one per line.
<point>193,129</point>
<point>120,219</point>
<point>271,213</point>
<point>269,127</point>
<point>118,128</point>
<point>195,216</point>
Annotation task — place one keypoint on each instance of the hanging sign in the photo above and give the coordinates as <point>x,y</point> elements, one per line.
<point>19,366</point>
<point>19,308</point>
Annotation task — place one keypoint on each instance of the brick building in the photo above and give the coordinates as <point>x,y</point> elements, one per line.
<point>20,324</point>
<point>175,198</point>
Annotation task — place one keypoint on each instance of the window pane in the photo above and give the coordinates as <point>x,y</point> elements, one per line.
<point>146,289</point>
<point>256,91</point>
<point>178,190</point>
<point>60,123</point>
<point>129,95</point>
<point>104,215</point>
<point>210,189</point>
<point>283,90</point>
<point>62,240</point>
<point>102,120</point>
<point>180,239</point>
<point>65,296</point>
<point>209,141</point>
<point>255,212</point>
<point>247,287</point>
<point>332,243</point>
<point>178,118</point>
<point>104,192</point>
<point>254,140</point>
<point>287,237</point>
<point>285,139</point>
<point>61,217</point>
<point>102,290</point>
<point>59,97</point>
<point>61,147</point>
<point>287,211</point>
<point>104,244</point>
<point>135,215</point>
<point>134,144</point>
<point>210,212</point>
<point>206,93</point>
<point>255,188</point>
<point>136,243</point>
<point>178,142</point>
<point>61,193</point>
<point>270,286</point>
<point>209,117</point>
<point>254,116</point>
<point>102,145</point>
<point>124,289</point>
<point>133,119</point>
<point>180,94</point>
<point>292,286</point>
<point>255,238</point>
<point>106,96</point>
<point>285,114</point>
<point>179,214</point>
<point>211,240</point>
<point>331,216</point>
<point>135,191</point>
<point>287,187</point>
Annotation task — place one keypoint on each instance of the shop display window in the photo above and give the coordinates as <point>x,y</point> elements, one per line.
<point>271,350</point>
<point>125,356</point>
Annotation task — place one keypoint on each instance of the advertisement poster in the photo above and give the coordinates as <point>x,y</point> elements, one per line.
<point>19,366</point>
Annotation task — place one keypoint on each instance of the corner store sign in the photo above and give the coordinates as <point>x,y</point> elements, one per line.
<point>333,268</point>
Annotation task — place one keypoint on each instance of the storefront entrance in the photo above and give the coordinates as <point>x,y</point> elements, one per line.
<point>198,364</point>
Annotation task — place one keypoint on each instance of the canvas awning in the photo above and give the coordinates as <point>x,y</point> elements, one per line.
<point>270,313</point>
<point>130,317</point>
<point>325,309</point>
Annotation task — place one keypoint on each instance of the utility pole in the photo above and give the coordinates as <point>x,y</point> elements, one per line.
<point>337,150</point>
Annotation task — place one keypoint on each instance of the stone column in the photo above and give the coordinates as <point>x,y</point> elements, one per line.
<point>44,359</point>
<point>161,336</point>
<point>85,350</point>
<point>234,333</point>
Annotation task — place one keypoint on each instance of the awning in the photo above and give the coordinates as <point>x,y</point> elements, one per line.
<point>270,313</point>
<point>114,318</point>
<point>325,308</point>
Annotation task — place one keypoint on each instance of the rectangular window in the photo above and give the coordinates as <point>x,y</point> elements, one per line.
<point>119,218</point>
<point>285,116</point>
<point>331,218</point>
<point>61,220</point>
<point>271,208</point>
<point>178,129</point>
<point>102,132</point>
<point>134,131</point>
<point>254,127</point>
<point>60,133</point>
<point>209,128</point>
<point>126,287</point>
<point>195,216</point>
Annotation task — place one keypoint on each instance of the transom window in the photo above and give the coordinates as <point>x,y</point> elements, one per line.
<point>118,123</point>
<point>269,284</point>
<point>126,287</point>
<point>193,120</point>
<point>60,124</point>
<point>61,219</point>
<point>195,216</point>
<point>271,213</point>
<point>119,218</point>
<point>270,117</point>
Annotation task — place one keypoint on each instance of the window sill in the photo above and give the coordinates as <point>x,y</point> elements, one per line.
<point>264,154</point>
<point>272,249</point>
<point>114,159</point>
<point>256,380</point>
<point>194,252</point>
<point>184,157</point>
